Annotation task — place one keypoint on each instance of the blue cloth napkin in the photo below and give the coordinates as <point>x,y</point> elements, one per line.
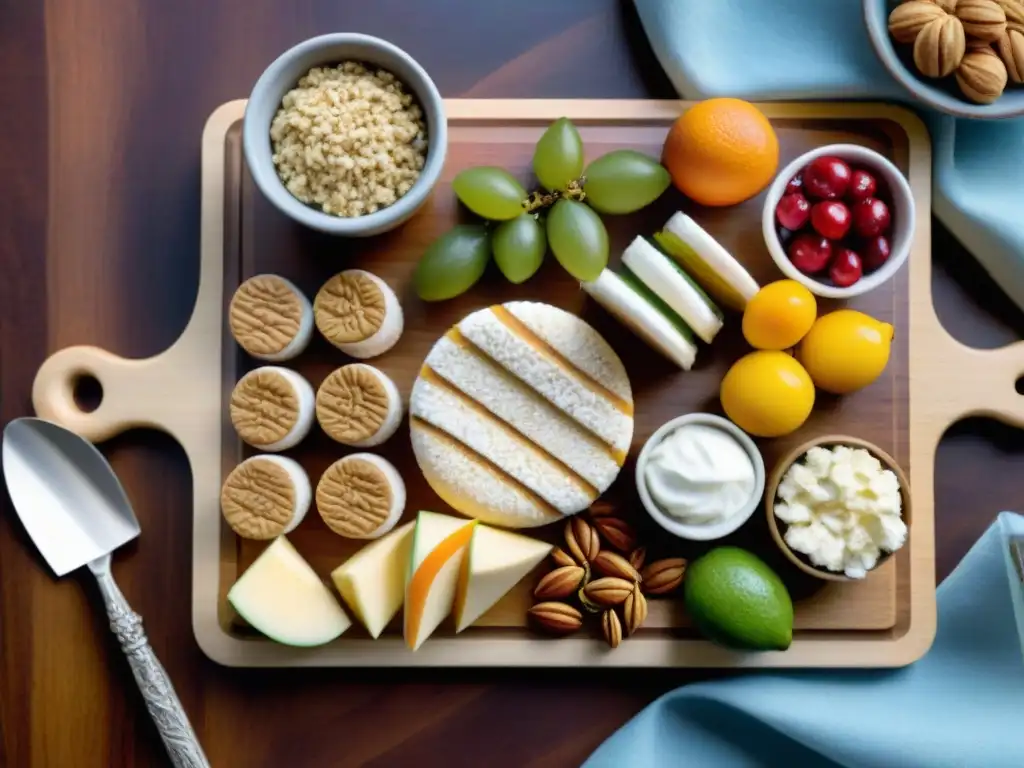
<point>962,705</point>
<point>819,49</point>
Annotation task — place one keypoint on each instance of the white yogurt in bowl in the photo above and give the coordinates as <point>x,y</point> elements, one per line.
<point>700,477</point>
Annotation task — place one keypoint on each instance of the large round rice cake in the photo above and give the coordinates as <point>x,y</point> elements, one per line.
<point>522,415</point>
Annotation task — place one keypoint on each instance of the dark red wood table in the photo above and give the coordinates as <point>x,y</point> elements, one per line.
<point>103,102</point>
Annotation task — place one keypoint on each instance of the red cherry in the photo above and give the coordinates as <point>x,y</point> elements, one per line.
<point>793,211</point>
<point>827,178</point>
<point>875,252</point>
<point>871,217</point>
<point>831,219</point>
<point>796,184</point>
<point>862,186</point>
<point>846,268</point>
<point>810,253</point>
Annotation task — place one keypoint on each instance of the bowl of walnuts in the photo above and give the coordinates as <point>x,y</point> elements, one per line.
<point>345,133</point>
<point>961,57</point>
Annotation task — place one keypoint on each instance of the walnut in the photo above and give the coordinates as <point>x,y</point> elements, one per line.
<point>1010,48</point>
<point>982,76</point>
<point>940,47</point>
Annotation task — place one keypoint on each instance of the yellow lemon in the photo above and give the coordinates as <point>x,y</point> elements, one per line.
<point>767,394</point>
<point>845,350</point>
<point>779,315</point>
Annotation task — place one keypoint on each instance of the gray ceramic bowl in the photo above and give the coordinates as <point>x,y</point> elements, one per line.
<point>941,95</point>
<point>282,75</point>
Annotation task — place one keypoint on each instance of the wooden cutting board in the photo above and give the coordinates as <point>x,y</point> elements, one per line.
<point>931,380</point>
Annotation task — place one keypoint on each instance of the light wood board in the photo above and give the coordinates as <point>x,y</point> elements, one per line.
<point>181,391</point>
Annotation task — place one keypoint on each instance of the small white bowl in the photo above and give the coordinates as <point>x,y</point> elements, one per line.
<point>901,200</point>
<point>700,532</point>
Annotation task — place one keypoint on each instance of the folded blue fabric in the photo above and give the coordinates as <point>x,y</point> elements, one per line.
<point>803,49</point>
<point>961,705</point>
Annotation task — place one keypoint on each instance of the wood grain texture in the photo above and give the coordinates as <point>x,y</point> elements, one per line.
<point>135,292</point>
<point>258,240</point>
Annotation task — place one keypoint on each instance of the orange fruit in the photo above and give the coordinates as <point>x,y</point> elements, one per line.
<point>721,152</point>
<point>779,315</point>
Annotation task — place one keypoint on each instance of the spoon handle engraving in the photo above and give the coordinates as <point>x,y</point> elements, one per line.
<point>154,684</point>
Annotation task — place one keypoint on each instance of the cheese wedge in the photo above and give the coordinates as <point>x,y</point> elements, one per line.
<point>372,582</point>
<point>435,561</point>
<point>522,414</point>
<point>282,597</point>
<point>495,562</point>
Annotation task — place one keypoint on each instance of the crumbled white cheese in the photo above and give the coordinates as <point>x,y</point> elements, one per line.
<point>843,509</point>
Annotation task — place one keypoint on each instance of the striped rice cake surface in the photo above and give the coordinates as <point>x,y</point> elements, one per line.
<point>522,414</point>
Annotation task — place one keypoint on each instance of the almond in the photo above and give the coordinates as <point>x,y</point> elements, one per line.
<point>601,509</point>
<point>940,47</point>
<point>616,532</point>
<point>608,590</point>
<point>634,610</point>
<point>612,628</point>
<point>561,558</point>
<point>581,540</point>
<point>982,19</point>
<point>663,576</point>
<point>609,563</point>
<point>1011,50</point>
<point>908,19</point>
<point>557,618</point>
<point>637,557</point>
<point>559,583</point>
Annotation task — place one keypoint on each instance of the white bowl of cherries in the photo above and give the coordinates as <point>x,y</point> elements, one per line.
<point>839,220</point>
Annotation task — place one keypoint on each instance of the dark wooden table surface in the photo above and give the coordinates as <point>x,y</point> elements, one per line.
<point>102,103</point>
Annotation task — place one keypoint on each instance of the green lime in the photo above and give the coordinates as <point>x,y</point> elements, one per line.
<point>737,601</point>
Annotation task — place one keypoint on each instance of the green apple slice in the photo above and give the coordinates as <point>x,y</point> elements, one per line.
<point>710,264</point>
<point>640,310</point>
<point>281,595</point>
<point>672,285</point>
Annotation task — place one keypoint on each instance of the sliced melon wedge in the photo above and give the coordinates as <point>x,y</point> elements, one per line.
<point>281,595</point>
<point>710,264</point>
<point>640,310</point>
<point>673,286</point>
<point>438,546</point>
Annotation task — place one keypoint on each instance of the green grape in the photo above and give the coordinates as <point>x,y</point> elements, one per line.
<point>490,192</point>
<point>519,247</point>
<point>558,158</point>
<point>452,263</point>
<point>578,239</point>
<point>624,181</point>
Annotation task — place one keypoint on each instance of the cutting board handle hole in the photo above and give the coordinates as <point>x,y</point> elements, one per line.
<point>1019,385</point>
<point>87,391</point>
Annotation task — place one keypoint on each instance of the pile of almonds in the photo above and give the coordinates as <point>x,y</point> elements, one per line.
<point>980,42</point>
<point>610,583</point>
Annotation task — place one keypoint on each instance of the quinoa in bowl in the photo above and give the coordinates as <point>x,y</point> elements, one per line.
<point>349,139</point>
<point>346,134</point>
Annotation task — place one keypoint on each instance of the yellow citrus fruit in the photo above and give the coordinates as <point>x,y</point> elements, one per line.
<point>721,152</point>
<point>767,394</point>
<point>779,315</point>
<point>845,350</point>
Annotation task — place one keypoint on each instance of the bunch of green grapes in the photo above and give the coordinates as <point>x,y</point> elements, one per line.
<point>520,227</point>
